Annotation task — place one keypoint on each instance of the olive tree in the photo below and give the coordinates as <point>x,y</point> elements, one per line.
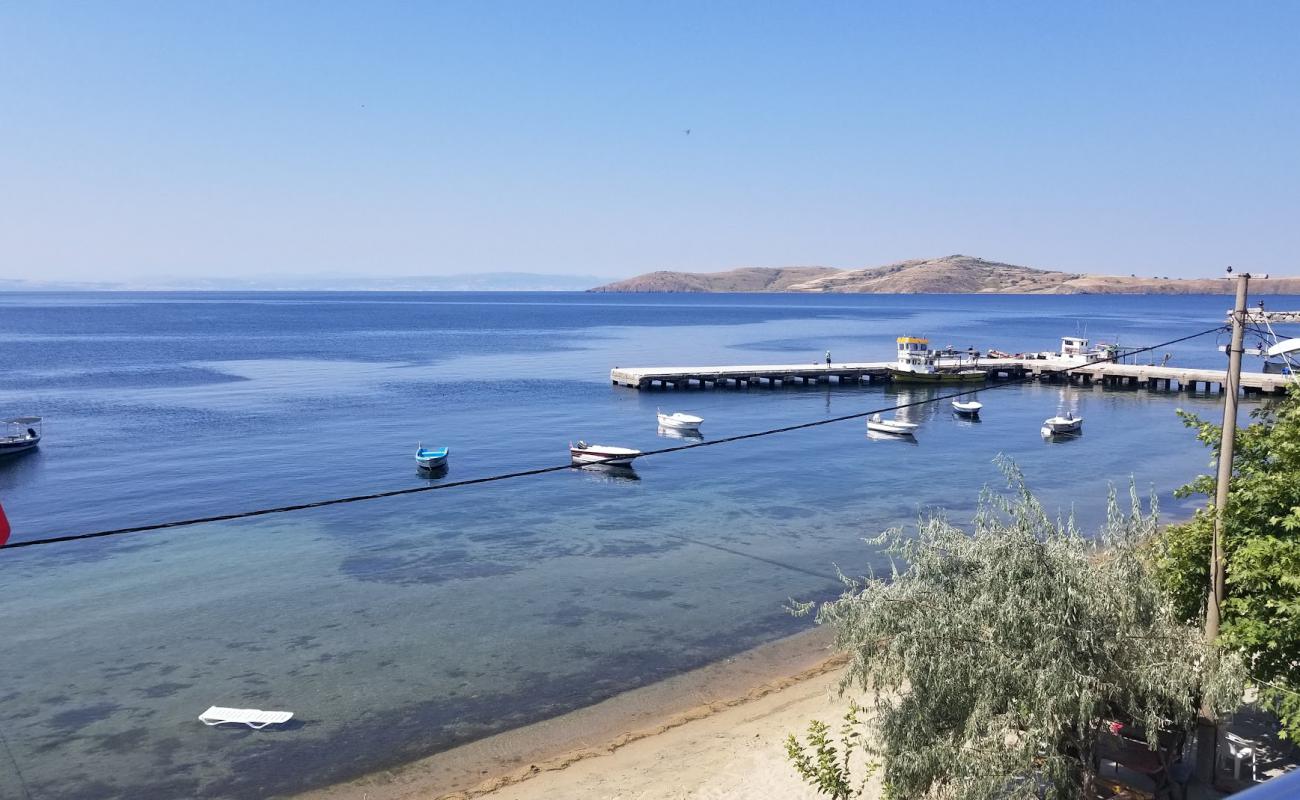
<point>998,654</point>
<point>1261,545</point>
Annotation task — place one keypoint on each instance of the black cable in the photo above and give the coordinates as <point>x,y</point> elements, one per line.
<point>158,526</point>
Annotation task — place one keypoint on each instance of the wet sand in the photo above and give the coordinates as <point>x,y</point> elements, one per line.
<point>720,718</point>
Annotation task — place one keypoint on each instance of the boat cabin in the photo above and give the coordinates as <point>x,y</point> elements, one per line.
<point>914,354</point>
<point>1074,346</point>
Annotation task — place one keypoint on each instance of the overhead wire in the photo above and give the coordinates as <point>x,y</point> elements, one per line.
<point>183,523</point>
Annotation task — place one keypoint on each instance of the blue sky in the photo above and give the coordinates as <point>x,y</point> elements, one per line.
<point>243,139</point>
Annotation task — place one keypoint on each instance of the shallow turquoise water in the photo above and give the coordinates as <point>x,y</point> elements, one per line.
<point>398,628</point>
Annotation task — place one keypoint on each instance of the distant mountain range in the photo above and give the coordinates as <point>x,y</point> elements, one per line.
<point>956,274</point>
<point>484,282</point>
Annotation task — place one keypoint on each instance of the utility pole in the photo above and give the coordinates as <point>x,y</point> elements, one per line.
<point>1207,726</point>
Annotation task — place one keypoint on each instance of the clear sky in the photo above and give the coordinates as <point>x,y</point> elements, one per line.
<point>242,139</point>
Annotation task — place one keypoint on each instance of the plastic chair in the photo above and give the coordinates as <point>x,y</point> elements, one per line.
<point>1239,750</point>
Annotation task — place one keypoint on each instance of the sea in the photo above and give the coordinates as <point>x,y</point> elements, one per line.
<point>402,627</point>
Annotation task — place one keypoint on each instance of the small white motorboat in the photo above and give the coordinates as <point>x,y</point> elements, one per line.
<point>892,426</point>
<point>967,409</point>
<point>19,434</point>
<point>679,421</point>
<point>431,458</point>
<point>583,453</point>
<point>1062,426</point>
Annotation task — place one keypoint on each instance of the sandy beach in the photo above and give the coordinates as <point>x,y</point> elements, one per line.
<point>716,732</point>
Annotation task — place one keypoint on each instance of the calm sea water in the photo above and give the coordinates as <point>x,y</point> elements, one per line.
<point>398,628</point>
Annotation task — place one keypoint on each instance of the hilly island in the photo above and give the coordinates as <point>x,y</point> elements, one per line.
<point>956,274</point>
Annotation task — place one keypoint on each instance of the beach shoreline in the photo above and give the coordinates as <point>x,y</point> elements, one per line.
<point>512,757</point>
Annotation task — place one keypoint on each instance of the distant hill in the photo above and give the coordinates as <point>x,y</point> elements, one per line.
<point>956,274</point>
<point>746,279</point>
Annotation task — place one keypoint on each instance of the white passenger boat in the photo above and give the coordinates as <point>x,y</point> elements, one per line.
<point>431,458</point>
<point>679,421</point>
<point>892,426</point>
<point>583,453</point>
<point>19,434</point>
<point>967,409</point>
<point>1062,426</point>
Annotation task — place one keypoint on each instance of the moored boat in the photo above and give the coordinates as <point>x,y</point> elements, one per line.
<point>679,421</point>
<point>892,426</point>
<point>918,364</point>
<point>1062,426</point>
<point>967,409</point>
<point>431,458</point>
<point>583,453</point>
<point>19,434</point>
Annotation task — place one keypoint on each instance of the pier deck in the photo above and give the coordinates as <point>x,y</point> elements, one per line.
<point>1045,369</point>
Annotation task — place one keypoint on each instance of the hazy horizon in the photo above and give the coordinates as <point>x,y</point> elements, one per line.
<point>195,141</point>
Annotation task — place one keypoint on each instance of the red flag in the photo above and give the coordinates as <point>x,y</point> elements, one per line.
<point>4,527</point>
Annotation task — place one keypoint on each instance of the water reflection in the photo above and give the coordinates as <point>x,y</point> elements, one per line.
<point>675,433</point>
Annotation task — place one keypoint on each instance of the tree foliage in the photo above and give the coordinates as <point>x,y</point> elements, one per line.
<point>997,656</point>
<point>1261,544</point>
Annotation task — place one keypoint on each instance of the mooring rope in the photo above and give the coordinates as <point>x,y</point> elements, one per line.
<point>182,523</point>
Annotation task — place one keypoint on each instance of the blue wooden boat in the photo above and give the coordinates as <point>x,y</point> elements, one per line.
<point>431,458</point>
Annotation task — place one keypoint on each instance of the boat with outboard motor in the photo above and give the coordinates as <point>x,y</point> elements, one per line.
<point>583,453</point>
<point>19,434</point>
<point>1067,425</point>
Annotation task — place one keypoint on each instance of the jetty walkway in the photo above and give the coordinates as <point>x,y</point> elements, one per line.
<point>1059,370</point>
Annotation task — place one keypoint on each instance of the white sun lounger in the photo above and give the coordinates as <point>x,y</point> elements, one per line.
<point>252,717</point>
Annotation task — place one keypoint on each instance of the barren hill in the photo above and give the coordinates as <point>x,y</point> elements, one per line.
<point>746,279</point>
<point>956,274</point>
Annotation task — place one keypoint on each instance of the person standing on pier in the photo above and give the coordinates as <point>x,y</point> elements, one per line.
<point>828,359</point>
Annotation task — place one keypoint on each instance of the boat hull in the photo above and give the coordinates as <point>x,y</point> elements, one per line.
<point>678,424</point>
<point>1062,428</point>
<point>431,460</point>
<point>595,458</point>
<point>891,428</point>
<point>15,446</point>
<point>937,378</point>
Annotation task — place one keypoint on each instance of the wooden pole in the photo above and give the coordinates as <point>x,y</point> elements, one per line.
<point>1207,732</point>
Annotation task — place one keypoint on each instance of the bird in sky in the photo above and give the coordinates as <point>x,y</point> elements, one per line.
<point>687,131</point>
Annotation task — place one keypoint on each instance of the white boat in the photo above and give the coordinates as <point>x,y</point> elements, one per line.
<point>967,409</point>
<point>1057,426</point>
<point>431,458</point>
<point>679,421</point>
<point>583,453</point>
<point>892,426</point>
<point>19,434</point>
<point>917,363</point>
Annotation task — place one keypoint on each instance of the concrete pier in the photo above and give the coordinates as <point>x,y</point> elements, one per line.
<point>1108,374</point>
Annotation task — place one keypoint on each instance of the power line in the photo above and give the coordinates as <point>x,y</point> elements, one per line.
<point>182,523</point>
